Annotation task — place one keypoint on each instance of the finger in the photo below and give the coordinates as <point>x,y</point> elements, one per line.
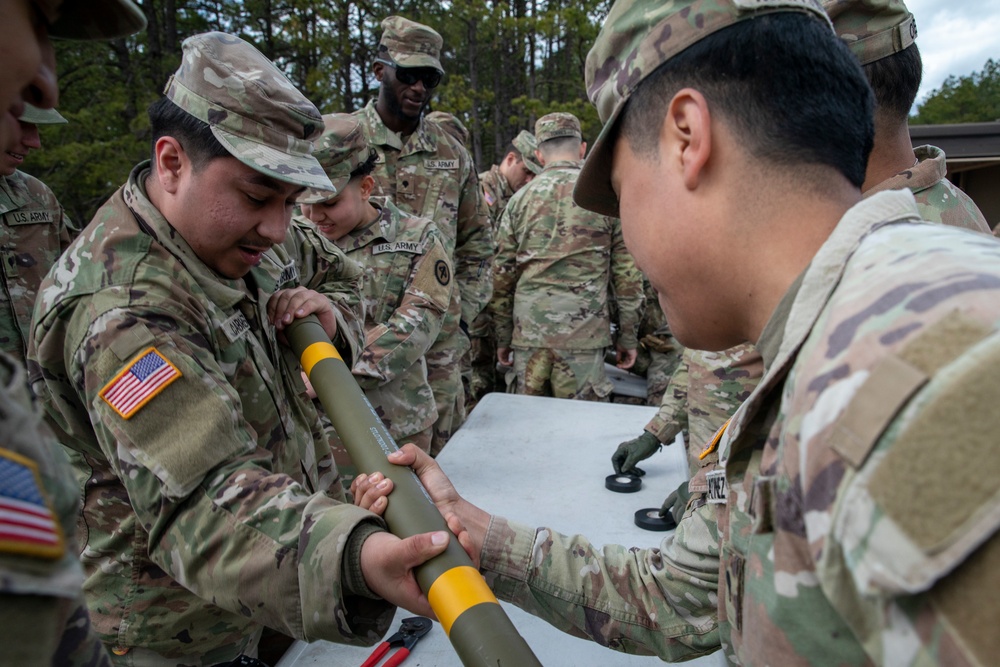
<point>418,549</point>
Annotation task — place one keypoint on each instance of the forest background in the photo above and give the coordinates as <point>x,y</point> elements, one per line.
<point>507,63</point>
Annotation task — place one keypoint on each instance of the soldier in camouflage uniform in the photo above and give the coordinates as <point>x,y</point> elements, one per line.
<point>425,171</point>
<point>555,267</point>
<point>34,230</point>
<point>498,185</point>
<point>450,124</point>
<point>659,353</point>
<point>853,517</point>
<point>407,284</point>
<point>882,35</point>
<point>209,492</point>
<point>43,616</point>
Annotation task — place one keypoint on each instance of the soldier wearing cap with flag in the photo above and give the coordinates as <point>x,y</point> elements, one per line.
<point>853,516</point>
<point>211,499</point>
<point>426,171</point>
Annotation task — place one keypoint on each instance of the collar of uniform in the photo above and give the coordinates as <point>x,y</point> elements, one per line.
<point>422,140</point>
<point>382,228</point>
<point>929,169</point>
<point>223,292</point>
<point>13,192</point>
<point>564,164</point>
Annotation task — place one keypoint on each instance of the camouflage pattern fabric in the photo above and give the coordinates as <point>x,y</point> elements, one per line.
<point>43,613</point>
<point>574,374</point>
<point>847,533</point>
<point>214,508</point>
<point>873,29</point>
<point>555,266</point>
<point>937,198</point>
<point>557,125</point>
<point>496,193</point>
<point>450,124</point>
<point>34,230</point>
<point>411,44</point>
<point>659,353</point>
<point>704,392</point>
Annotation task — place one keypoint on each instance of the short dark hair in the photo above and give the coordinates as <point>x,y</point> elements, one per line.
<point>560,145</point>
<point>166,119</point>
<point>791,90</point>
<point>511,148</point>
<point>895,80</point>
<point>366,167</point>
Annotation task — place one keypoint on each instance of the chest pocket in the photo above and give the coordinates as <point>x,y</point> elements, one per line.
<point>422,191</point>
<point>31,244</point>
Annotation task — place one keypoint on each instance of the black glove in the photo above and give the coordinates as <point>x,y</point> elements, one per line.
<point>676,503</point>
<point>632,451</point>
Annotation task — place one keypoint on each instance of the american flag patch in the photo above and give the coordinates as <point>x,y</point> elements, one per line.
<point>27,523</point>
<point>145,377</point>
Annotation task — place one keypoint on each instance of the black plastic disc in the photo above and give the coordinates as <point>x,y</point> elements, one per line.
<point>650,519</point>
<point>622,483</point>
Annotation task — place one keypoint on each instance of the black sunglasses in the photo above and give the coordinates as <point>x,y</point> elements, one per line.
<point>410,75</point>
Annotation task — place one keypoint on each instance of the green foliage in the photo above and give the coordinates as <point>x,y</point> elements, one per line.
<point>964,99</point>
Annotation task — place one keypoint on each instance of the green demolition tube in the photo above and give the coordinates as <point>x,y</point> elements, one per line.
<point>474,621</point>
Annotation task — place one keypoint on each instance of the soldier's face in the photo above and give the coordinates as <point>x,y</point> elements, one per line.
<point>340,215</point>
<point>404,101</point>
<point>517,173</point>
<point>231,214</point>
<point>25,140</point>
<point>28,70</point>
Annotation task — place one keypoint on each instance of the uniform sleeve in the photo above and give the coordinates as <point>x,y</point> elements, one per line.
<point>672,417</point>
<point>626,282</point>
<point>660,601</point>
<point>395,345</point>
<point>505,275</point>
<point>474,247</point>
<point>220,519</point>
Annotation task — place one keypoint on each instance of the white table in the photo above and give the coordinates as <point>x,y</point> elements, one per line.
<point>541,461</point>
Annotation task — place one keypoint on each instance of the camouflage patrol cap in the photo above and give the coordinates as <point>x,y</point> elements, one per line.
<point>411,44</point>
<point>342,149</point>
<point>450,124</point>
<point>253,110</point>
<point>92,19</point>
<point>36,116</point>
<point>637,37</point>
<point>873,29</point>
<point>556,125</point>
<point>526,144</point>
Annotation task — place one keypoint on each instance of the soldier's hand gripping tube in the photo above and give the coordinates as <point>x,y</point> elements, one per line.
<point>474,621</point>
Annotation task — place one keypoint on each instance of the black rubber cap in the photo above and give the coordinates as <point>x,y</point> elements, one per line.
<point>622,483</point>
<point>650,519</point>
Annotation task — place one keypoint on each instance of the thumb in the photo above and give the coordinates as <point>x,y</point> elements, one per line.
<point>418,549</point>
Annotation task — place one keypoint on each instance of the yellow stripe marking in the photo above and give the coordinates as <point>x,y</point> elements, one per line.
<point>715,440</point>
<point>456,591</point>
<point>316,353</point>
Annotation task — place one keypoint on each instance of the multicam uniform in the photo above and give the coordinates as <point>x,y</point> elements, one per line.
<point>554,268</point>
<point>43,613</point>
<point>659,353</point>
<point>937,198</point>
<point>406,292</point>
<point>431,175</point>
<point>34,230</point>
<point>210,496</point>
<point>854,529</point>
<point>496,193</point>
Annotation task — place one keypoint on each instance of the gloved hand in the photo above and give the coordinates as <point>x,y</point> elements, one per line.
<point>632,451</point>
<point>676,503</point>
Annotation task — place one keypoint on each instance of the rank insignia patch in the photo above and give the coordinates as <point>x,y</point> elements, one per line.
<point>27,523</point>
<point>145,376</point>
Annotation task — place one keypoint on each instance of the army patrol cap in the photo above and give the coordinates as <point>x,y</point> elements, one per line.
<point>342,149</point>
<point>873,29</point>
<point>411,44</point>
<point>36,116</point>
<point>526,145</point>
<point>637,37</point>
<point>557,125</point>
<point>92,19</point>
<point>254,111</point>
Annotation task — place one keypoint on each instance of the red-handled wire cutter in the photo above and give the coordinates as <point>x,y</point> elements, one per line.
<point>410,632</point>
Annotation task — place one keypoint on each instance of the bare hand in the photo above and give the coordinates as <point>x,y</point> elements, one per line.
<point>387,564</point>
<point>626,357</point>
<point>289,304</point>
<point>505,356</point>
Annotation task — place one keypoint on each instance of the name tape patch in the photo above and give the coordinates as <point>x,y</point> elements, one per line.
<point>30,217</point>
<point>441,164</point>
<point>289,273</point>
<point>236,327</point>
<point>717,489</point>
<point>27,522</point>
<point>398,246</point>
<point>141,381</point>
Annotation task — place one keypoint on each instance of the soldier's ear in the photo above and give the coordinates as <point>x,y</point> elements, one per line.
<point>170,161</point>
<point>367,185</point>
<point>378,69</point>
<point>686,135</point>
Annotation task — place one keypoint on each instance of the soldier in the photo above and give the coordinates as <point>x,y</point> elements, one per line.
<point>427,172</point>
<point>555,266</point>
<point>659,353</point>
<point>209,493</point>
<point>852,519</point>
<point>34,230</point>
<point>498,184</point>
<point>450,124</point>
<point>882,35</point>
<point>407,285</point>
<point>43,616</point>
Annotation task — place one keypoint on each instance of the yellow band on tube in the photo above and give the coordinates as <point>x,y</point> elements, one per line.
<point>316,353</point>
<point>457,590</point>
